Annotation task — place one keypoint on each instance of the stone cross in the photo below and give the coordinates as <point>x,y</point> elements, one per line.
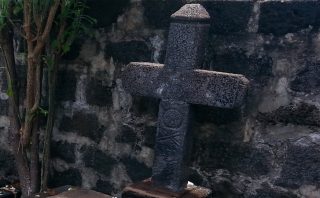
<point>178,83</point>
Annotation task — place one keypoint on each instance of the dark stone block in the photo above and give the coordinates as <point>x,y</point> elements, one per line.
<point>136,170</point>
<point>98,160</point>
<point>66,86</point>
<point>3,182</point>
<point>3,88</point>
<point>307,80</point>
<point>64,150</point>
<point>195,177</point>
<point>301,167</point>
<point>297,114</point>
<point>7,163</point>
<point>157,13</point>
<point>74,50</point>
<point>279,17</point>
<point>98,94</point>
<point>150,136</point>
<point>145,105</point>
<point>4,107</point>
<point>127,135</point>
<point>104,187</point>
<point>272,193</point>
<point>233,157</point>
<point>86,125</point>
<point>228,16</point>
<point>106,12</point>
<point>235,60</point>
<point>3,80</point>
<point>128,51</point>
<point>219,116</point>
<point>69,177</point>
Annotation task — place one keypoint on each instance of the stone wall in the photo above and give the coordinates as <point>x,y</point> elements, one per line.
<point>270,147</point>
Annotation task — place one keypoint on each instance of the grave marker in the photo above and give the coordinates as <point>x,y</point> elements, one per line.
<point>179,84</point>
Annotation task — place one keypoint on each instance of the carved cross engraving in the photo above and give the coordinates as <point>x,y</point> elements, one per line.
<point>178,83</point>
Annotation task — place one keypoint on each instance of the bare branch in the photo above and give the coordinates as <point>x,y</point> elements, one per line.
<point>38,90</point>
<point>27,18</point>
<point>15,27</point>
<point>45,35</point>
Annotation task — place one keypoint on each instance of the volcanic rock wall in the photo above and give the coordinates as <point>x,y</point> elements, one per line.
<point>270,147</point>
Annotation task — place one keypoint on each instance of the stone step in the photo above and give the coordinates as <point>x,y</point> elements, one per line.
<point>145,189</point>
<point>80,193</point>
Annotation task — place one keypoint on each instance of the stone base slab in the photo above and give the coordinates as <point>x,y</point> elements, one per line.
<point>80,193</point>
<point>71,192</point>
<point>146,190</point>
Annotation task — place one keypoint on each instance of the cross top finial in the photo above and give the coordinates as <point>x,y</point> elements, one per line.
<point>191,12</point>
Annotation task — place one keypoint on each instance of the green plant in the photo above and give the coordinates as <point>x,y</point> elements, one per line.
<point>48,28</point>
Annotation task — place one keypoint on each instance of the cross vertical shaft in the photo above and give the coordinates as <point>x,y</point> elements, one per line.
<point>187,36</point>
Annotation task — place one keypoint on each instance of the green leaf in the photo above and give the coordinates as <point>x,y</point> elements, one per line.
<point>17,9</point>
<point>10,92</point>
<point>65,48</point>
<point>54,44</point>
<point>43,111</point>
<point>49,62</point>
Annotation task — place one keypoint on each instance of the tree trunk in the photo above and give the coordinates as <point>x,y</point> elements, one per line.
<point>14,115</point>
<point>34,158</point>
<point>52,77</point>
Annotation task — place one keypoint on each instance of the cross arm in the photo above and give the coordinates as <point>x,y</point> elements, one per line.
<point>142,78</point>
<point>202,87</point>
<point>216,89</point>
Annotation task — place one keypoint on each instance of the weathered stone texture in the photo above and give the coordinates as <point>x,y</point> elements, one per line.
<point>149,135</point>
<point>300,166</point>
<point>157,13</point>
<point>104,187</point>
<point>86,125</point>
<point>267,148</point>
<point>64,151</point>
<point>66,85</point>
<point>128,51</point>
<point>236,59</point>
<point>98,160</point>
<point>235,158</point>
<point>179,84</point>
<point>136,170</point>
<point>229,17</point>
<point>307,79</point>
<point>98,94</point>
<point>3,107</point>
<point>106,12</point>
<point>6,163</point>
<point>208,88</point>
<point>297,114</point>
<point>3,96</point>
<point>291,16</point>
<point>127,135</point>
<point>71,177</point>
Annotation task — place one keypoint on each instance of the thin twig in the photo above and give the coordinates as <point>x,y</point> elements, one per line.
<point>16,27</point>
